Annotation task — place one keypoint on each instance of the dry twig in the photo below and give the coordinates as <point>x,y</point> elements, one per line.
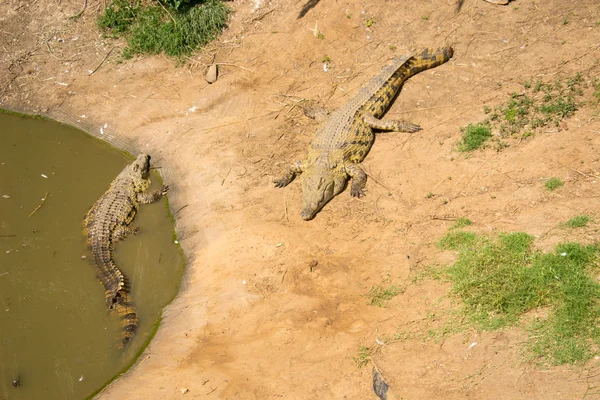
<point>40,205</point>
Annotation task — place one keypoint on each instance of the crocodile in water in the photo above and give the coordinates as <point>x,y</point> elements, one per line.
<point>107,222</point>
<point>347,136</point>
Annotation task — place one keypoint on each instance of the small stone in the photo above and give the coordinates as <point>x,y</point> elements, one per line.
<point>212,74</point>
<point>184,390</point>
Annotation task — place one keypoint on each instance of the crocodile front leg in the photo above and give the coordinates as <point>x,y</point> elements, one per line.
<point>147,198</point>
<point>390,125</point>
<point>294,169</point>
<point>359,179</point>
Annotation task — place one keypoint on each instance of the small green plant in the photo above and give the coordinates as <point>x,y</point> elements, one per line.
<point>425,17</point>
<point>326,59</point>
<point>320,35</point>
<point>596,86</point>
<point>553,184</point>
<point>370,22</point>
<point>461,223</point>
<point>392,47</point>
<point>363,357</point>
<point>474,136</point>
<point>380,295</point>
<point>578,221</point>
<point>429,195</point>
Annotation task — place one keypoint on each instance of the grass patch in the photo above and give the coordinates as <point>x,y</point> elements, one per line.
<point>461,223</point>
<point>379,295</point>
<point>553,184</point>
<point>176,29</point>
<point>578,221</point>
<point>456,240</point>
<point>500,279</point>
<point>474,136</point>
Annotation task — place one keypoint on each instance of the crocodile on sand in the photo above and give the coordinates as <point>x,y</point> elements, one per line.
<point>347,136</point>
<point>107,222</point>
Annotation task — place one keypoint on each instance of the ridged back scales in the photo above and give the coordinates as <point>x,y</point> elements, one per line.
<point>116,207</point>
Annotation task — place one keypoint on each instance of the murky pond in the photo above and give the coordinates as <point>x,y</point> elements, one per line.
<point>57,337</point>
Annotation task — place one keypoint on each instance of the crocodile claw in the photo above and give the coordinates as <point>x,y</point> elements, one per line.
<point>411,128</point>
<point>357,192</point>
<point>280,183</point>
<point>164,190</point>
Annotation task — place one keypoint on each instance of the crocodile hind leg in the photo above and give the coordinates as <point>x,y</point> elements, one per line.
<point>147,198</point>
<point>390,125</point>
<point>359,179</point>
<point>293,170</point>
<point>121,232</point>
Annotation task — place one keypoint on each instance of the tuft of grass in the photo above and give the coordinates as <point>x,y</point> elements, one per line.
<point>379,295</point>
<point>370,22</point>
<point>457,240</point>
<point>326,59</point>
<point>176,29</point>
<point>500,279</point>
<point>474,136</point>
<point>118,16</point>
<point>553,184</point>
<point>461,223</point>
<point>578,221</point>
<point>363,357</point>
<point>596,93</point>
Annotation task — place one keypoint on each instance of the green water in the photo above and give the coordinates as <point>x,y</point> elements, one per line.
<point>56,334</point>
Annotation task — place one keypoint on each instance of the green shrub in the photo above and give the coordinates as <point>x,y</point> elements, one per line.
<point>474,136</point>
<point>578,221</point>
<point>553,183</point>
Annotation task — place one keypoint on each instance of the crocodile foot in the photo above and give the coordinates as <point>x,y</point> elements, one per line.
<point>356,192</point>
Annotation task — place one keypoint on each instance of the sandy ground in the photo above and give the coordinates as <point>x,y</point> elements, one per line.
<point>276,307</point>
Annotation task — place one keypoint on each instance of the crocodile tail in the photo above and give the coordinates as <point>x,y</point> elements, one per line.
<point>427,58</point>
<point>127,315</point>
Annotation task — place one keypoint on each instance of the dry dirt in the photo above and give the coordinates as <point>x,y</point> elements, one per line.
<point>273,306</point>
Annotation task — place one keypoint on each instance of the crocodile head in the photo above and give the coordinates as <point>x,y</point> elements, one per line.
<point>140,168</point>
<point>320,184</point>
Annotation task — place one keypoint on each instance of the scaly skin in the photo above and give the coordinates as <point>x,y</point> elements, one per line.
<point>108,222</point>
<point>347,136</point>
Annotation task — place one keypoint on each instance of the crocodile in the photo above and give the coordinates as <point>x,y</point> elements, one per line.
<point>346,137</point>
<point>107,222</point>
